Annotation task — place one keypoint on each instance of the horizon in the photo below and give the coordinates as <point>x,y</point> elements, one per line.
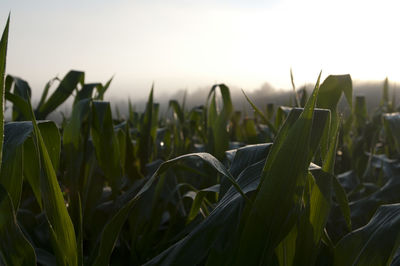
<point>179,45</point>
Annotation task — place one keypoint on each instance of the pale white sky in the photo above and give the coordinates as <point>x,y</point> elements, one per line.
<point>186,44</point>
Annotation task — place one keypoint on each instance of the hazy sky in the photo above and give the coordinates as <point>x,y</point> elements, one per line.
<point>186,44</point>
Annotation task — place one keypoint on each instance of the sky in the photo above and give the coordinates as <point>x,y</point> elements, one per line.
<point>182,44</point>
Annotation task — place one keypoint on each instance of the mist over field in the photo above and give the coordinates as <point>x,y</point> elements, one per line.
<point>261,96</point>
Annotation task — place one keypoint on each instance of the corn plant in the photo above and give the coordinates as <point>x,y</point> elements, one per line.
<point>210,185</point>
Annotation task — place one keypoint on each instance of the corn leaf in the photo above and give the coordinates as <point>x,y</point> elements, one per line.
<point>258,112</point>
<point>279,177</point>
<point>46,92</point>
<point>3,55</point>
<point>145,143</point>
<point>217,121</point>
<point>106,143</point>
<point>112,229</point>
<point>60,224</point>
<point>67,85</point>
<point>21,89</point>
<point>392,127</point>
<point>15,249</point>
<point>374,243</point>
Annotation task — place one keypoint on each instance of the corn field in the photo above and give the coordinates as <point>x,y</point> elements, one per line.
<point>209,185</point>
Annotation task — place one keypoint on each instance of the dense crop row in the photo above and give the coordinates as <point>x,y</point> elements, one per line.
<point>297,185</point>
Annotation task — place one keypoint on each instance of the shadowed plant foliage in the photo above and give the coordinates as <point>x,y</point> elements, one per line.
<point>211,185</point>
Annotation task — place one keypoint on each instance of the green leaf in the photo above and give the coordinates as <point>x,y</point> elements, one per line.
<point>216,238</point>
<point>106,143</point>
<point>218,136</point>
<point>60,224</point>
<point>281,114</point>
<point>260,113</point>
<point>374,243</point>
<point>75,139</point>
<point>101,90</point>
<point>112,229</point>
<point>217,233</point>
<point>20,157</point>
<point>131,163</point>
<point>286,250</point>
<point>392,128</point>
<point>46,92</point>
<point>15,249</point>
<point>32,168</point>
<point>86,92</point>
<point>21,89</point>
<point>67,85</point>
<point>250,131</point>
<point>11,176</point>
<point>331,91</point>
<point>19,103</point>
<point>198,201</point>
<point>177,110</point>
<point>360,112</point>
<point>342,200</point>
<point>385,93</point>
<point>145,142</point>
<point>3,55</point>
<point>296,96</point>
<point>280,177</point>
<point>312,224</point>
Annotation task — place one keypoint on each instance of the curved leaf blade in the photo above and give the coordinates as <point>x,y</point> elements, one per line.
<point>374,243</point>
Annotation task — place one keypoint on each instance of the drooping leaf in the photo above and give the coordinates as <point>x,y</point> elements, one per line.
<point>198,201</point>
<point>21,89</point>
<point>112,229</point>
<point>86,92</point>
<point>67,85</point>
<point>374,243</point>
<point>19,103</point>
<point>331,91</point>
<point>46,92</point>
